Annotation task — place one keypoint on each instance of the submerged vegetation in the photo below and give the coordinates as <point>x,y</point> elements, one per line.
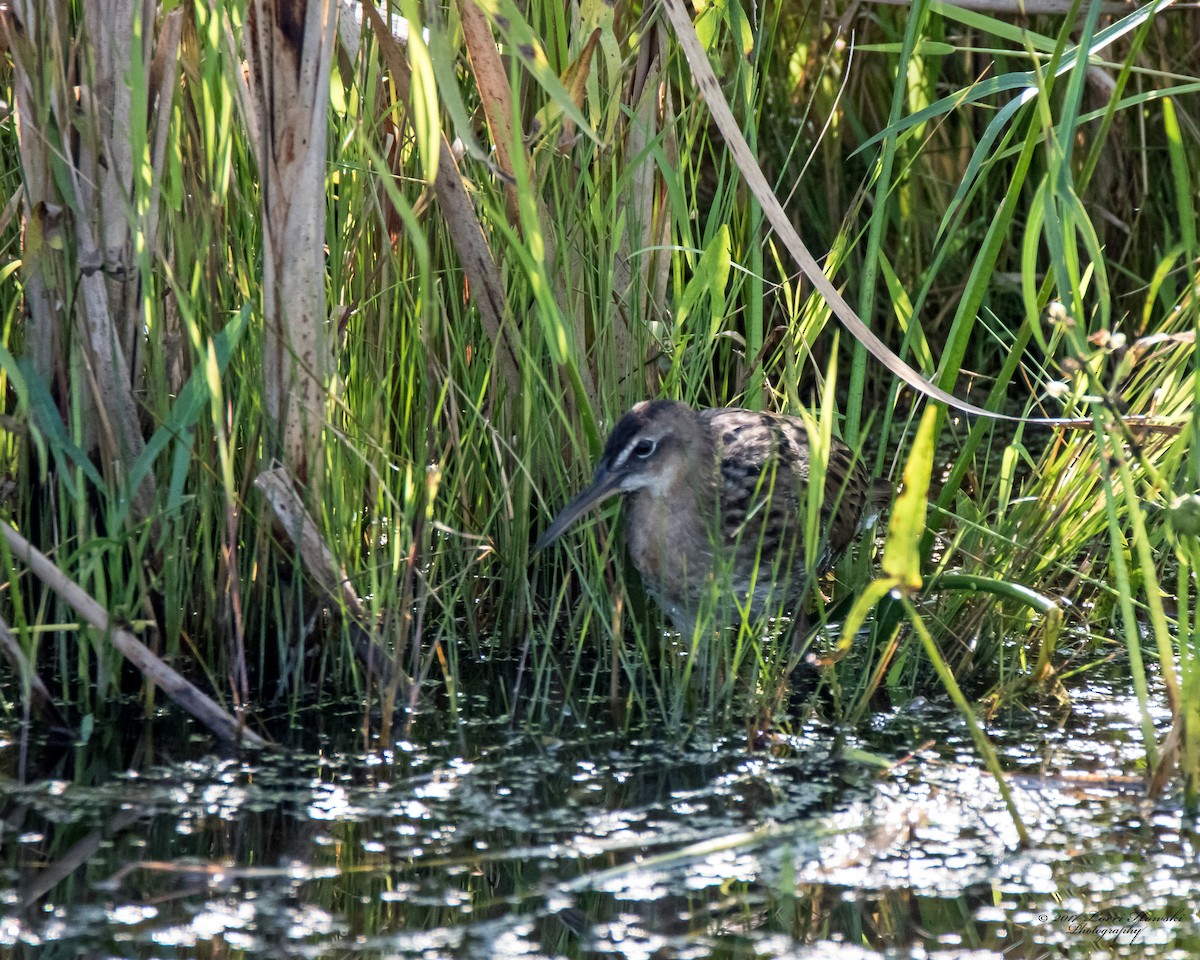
<point>291,451</point>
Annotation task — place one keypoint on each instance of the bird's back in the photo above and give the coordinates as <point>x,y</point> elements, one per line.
<point>765,464</point>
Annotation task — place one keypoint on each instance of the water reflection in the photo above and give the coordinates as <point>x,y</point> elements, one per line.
<point>598,846</point>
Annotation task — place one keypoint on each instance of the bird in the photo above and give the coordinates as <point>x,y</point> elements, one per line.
<point>715,507</point>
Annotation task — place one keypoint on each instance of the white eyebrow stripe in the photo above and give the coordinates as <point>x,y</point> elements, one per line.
<point>629,447</point>
<point>626,453</point>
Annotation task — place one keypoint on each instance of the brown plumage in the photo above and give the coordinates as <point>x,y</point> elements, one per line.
<point>716,506</point>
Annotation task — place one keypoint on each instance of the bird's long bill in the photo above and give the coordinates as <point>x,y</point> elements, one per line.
<point>604,486</point>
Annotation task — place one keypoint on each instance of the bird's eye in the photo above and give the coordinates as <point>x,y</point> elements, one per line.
<point>644,447</point>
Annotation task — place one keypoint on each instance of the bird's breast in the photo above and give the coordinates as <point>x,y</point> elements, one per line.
<point>671,546</point>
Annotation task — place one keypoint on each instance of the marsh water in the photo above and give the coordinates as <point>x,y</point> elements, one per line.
<point>485,839</point>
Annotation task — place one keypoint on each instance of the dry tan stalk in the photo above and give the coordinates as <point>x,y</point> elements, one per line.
<point>640,293</point>
<point>491,80</point>
<point>107,160</point>
<point>163,72</point>
<point>290,48</point>
<point>276,485</point>
<point>30,29</point>
<point>103,185</point>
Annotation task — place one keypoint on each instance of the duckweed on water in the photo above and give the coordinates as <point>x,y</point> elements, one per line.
<point>518,846</point>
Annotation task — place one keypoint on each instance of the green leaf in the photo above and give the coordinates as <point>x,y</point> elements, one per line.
<point>1179,170</point>
<point>423,103</point>
<point>901,553</point>
<point>44,416</point>
<point>876,590</point>
<point>1027,81</point>
<point>189,405</point>
<point>711,277</point>
<point>739,26</point>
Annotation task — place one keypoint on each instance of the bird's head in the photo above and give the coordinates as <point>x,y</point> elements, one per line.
<point>648,450</point>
